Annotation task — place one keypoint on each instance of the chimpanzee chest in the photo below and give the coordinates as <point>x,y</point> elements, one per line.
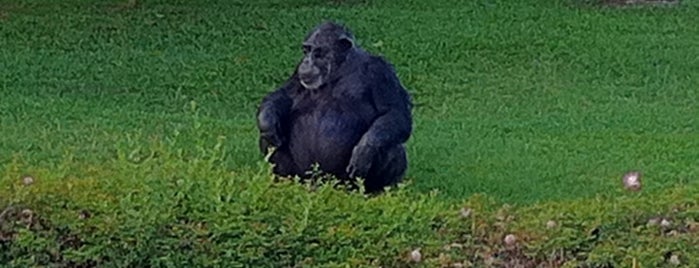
<point>325,129</point>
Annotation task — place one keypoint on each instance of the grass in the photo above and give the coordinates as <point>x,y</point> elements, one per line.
<point>530,101</point>
<point>527,102</point>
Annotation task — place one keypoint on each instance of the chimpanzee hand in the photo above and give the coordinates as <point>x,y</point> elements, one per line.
<point>360,163</point>
<point>269,139</point>
<point>270,131</point>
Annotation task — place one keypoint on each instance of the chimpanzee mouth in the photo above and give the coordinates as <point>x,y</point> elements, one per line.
<point>310,82</point>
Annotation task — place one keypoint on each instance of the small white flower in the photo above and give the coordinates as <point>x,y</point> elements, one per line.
<point>551,224</point>
<point>632,181</point>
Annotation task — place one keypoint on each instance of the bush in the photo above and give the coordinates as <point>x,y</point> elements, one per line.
<point>157,207</point>
<point>166,209</point>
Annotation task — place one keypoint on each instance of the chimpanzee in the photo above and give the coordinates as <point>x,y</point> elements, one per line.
<point>343,109</point>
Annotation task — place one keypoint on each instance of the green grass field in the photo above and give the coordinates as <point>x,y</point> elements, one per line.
<point>526,102</point>
<point>530,101</point>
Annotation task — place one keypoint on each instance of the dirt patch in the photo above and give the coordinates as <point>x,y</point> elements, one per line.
<point>15,219</point>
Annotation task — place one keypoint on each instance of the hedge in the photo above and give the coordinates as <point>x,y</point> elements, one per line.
<point>163,208</point>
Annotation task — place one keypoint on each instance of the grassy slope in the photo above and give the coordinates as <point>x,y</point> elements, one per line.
<point>526,101</point>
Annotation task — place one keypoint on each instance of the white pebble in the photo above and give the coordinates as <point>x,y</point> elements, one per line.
<point>551,224</point>
<point>674,260</point>
<point>665,223</point>
<point>465,212</point>
<point>510,239</point>
<point>27,216</point>
<point>457,245</point>
<point>415,255</point>
<point>27,212</point>
<point>28,180</point>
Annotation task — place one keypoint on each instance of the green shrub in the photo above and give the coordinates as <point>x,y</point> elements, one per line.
<point>166,208</point>
<point>169,210</point>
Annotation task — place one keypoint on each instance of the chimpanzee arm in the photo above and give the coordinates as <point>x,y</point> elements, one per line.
<point>391,100</point>
<point>392,127</point>
<point>272,115</point>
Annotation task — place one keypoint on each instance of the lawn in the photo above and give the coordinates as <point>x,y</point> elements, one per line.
<point>526,102</point>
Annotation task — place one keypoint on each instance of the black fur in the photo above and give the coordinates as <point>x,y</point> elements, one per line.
<point>354,125</point>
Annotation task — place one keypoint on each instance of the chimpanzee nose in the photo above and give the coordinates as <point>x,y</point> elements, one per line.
<point>303,69</point>
<point>306,66</point>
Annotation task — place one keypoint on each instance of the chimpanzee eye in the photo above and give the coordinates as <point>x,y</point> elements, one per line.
<point>320,52</point>
<point>306,49</point>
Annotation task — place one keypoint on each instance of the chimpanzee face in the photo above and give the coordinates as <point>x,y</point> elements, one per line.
<point>323,50</point>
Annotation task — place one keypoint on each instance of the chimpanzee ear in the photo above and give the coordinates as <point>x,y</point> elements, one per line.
<point>344,43</point>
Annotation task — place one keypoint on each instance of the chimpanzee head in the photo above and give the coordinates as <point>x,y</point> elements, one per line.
<point>324,49</point>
